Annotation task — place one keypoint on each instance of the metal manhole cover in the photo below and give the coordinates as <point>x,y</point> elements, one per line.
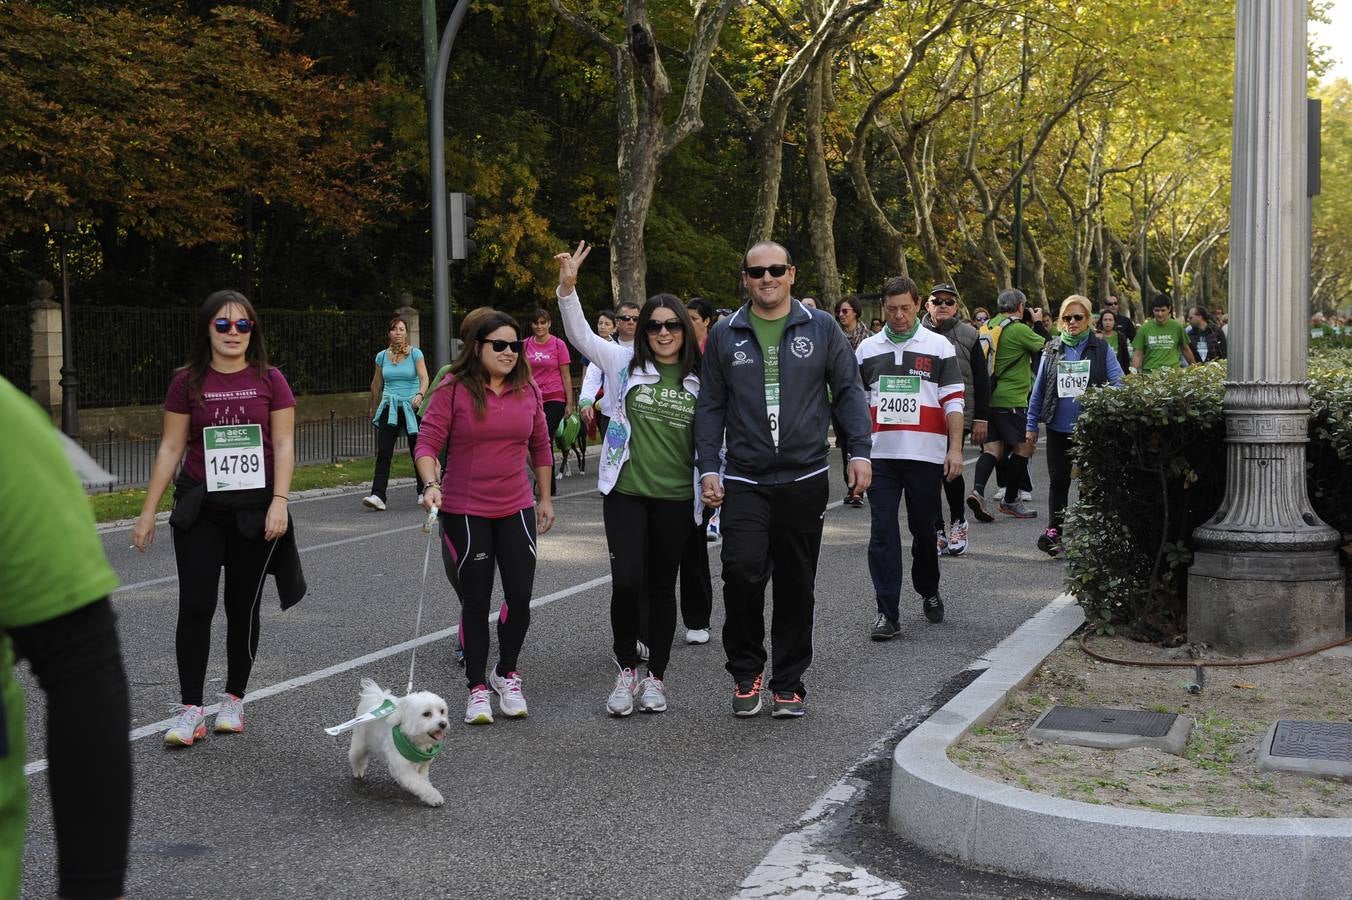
<point>1313,740</point>
<point>1107,721</point>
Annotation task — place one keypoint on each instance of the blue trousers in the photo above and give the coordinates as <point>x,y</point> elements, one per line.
<point>921,483</point>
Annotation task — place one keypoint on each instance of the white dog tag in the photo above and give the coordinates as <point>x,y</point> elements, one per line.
<point>380,712</point>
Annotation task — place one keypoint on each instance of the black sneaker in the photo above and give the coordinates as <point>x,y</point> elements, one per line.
<point>934,609</point>
<point>885,629</point>
<point>787,705</point>
<point>746,697</point>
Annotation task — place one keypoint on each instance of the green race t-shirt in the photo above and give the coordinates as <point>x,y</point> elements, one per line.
<point>52,561</point>
<point>1014,374</point>
<point>661,460</point>
<point>1161,345</point>
<point>769,332</point>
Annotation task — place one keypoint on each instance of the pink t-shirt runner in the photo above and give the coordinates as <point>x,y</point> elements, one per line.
<point>486,466</point>
<point>545,360</point>
<point>236,398</point>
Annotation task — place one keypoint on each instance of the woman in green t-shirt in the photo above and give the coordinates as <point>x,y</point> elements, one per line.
<point>647,474</point>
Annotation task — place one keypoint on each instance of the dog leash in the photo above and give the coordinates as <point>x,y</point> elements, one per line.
<point>429,529</point>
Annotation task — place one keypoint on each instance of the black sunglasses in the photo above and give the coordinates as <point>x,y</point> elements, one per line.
<point>938,302</point>
<point>1073,317</point>
<point>501,345</point>
<point>672,326</point>
<point>627,318</point>
<point>777,270</point>
<point>243,326</point>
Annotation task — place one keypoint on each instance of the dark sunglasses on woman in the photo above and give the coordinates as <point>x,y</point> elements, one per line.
<point>243,326</point>
<point>501,345</point>
<point>673,326</point>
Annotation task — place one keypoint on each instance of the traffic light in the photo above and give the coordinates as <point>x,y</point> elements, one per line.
<point>461,225</point>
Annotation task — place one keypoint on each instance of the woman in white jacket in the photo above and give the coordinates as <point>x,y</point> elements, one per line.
<point>647,474</point>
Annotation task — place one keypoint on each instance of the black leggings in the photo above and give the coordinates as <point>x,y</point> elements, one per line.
<point>646,539</point>
<point>470,547</point>
<point>386,435</point>
<point>77,662</point>
<point>213,542</point>
<point>697,589</point>
<point>553,416</point>
<point>1059,463</point>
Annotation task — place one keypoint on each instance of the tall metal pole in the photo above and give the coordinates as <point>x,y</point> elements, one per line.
<point>1266,577</point>
<point>70,414</point>
<point>441,283</point>
<point>1018,162</point>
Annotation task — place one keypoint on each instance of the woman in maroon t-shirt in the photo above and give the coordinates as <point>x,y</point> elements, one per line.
<point>235,416</point>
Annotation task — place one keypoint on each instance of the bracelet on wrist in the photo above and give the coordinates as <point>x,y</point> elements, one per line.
<point>282,497</point>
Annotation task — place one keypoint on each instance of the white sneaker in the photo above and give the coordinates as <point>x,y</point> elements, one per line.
<point>510,699</point>
<point>230,717</point>
<point>373,502</point>
<point>1026,496</point>
<point>957,538</point>
<point>697,635</point>
<point>620,703</point>
<point>711,534</point>
<point>643,652</point>
<point>478,711</point>
<point>652,695</point>
<point>190,725</point>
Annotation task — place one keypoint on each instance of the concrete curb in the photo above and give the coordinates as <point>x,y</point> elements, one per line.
<point>949,811</point>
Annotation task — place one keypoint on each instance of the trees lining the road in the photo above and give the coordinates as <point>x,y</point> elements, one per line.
<point>280,146</point>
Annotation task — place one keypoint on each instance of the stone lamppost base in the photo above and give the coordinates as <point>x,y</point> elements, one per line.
<point>1251,604</point>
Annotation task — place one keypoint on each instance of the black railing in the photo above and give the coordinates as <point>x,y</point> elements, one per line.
<point>16,346</point>
<point>322,441</point>
<point>127,356</point>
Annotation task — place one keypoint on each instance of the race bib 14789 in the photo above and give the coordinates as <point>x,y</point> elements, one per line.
<point>234,457</point>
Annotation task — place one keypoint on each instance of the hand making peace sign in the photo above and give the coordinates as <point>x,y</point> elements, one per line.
<point>569,263</point>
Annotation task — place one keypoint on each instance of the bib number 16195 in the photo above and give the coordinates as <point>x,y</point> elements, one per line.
<point>234,457</point>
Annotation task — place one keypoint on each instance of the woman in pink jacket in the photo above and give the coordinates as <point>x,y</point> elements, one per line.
<point>487,413</point>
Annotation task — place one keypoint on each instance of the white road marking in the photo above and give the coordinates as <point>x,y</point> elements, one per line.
<point>300,681</point>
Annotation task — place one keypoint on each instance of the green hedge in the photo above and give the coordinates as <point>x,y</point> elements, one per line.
<point>1152,468</point>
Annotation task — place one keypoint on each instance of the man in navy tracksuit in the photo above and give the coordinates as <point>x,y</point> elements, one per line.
<point>764,391</point>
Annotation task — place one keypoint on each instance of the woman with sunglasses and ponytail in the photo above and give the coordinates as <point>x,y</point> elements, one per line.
<point>234,415</point>
<point>1072,362</point>
<point>488,416</point>
<point>647,474</point>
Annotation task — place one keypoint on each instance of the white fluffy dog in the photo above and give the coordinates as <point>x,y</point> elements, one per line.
<point>409,738</point>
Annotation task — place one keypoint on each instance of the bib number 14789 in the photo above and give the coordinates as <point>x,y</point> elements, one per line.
<point>234,457</point>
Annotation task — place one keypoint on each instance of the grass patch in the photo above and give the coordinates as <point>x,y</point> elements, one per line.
<point>127,504</point>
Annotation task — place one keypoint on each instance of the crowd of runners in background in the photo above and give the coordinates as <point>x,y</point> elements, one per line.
<point>714,427</point>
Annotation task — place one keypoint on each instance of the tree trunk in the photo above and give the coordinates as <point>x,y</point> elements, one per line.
<point>822,210</point>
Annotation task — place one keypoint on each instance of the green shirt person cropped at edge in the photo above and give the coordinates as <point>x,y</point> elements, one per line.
<point>54,609</point>
<point>1160,342</point>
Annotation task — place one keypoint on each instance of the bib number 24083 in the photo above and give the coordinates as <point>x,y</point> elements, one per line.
<point>234,457</point>
<point>899,400</point>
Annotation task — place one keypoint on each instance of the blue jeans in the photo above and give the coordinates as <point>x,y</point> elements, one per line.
<point>922,485</point>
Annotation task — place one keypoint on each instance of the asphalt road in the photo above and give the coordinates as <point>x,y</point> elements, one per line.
<point>567,802</point>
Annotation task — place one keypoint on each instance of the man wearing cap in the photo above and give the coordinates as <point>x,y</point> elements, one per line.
<point>1125,326</point>
<point>943,317</point>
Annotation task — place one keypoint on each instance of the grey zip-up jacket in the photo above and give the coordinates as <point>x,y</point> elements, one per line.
<point>814,356</point>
